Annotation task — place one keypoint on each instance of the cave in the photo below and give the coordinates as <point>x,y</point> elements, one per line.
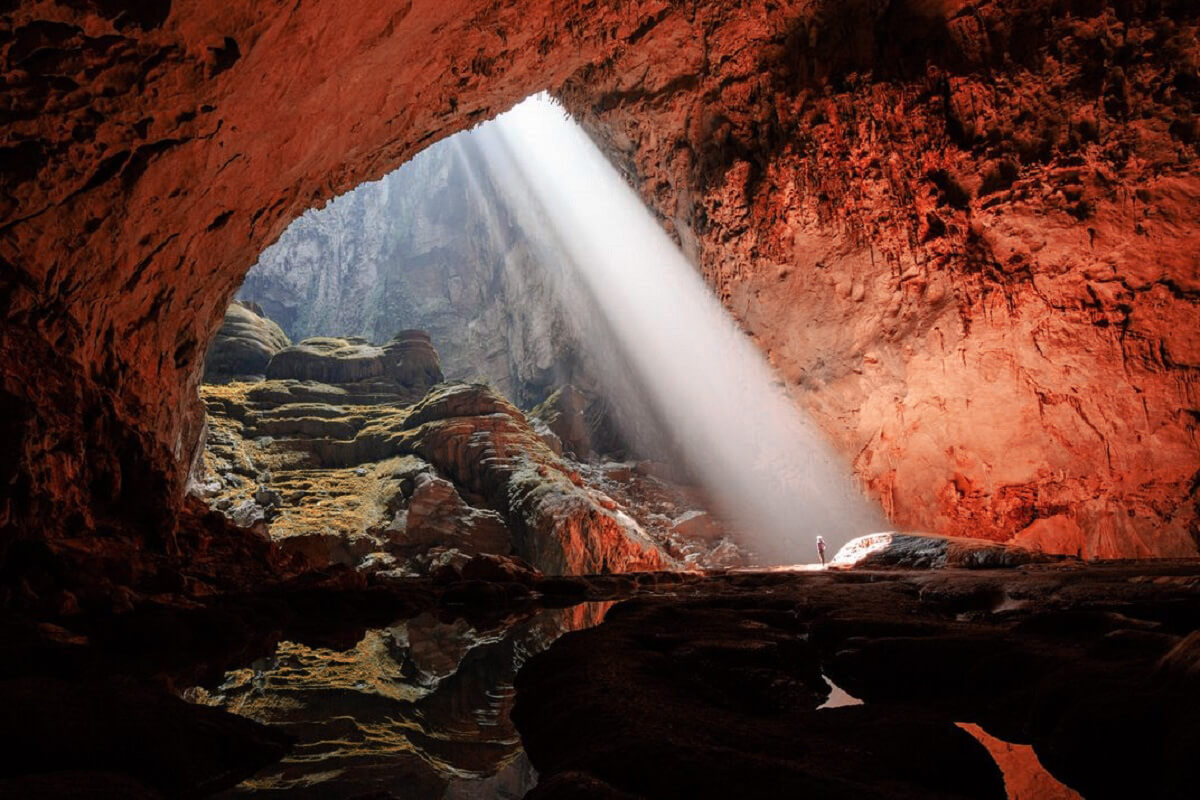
<point>963,235</point>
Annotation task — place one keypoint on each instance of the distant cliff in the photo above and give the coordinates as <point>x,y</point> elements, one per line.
<point>430,246</point>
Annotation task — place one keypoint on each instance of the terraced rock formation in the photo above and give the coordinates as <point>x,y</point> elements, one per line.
<point>384,469</point>
<point>964,230</point>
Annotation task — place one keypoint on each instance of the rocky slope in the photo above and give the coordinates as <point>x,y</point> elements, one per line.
<point>993,202</point>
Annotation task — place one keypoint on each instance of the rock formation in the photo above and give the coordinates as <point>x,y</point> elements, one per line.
<point>243,345</point>
<point>433,246</point>
<point>925,551</point>
<point>408,359</point>
<point>485,445</point>
<point>345,454</point>
<point>727,687</point>
<point>961,231</point>
<point>964,231</point>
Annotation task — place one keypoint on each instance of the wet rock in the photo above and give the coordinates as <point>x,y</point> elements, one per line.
<point>725,684</point>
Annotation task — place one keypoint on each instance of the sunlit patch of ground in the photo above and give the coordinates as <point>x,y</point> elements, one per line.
<point>1024,776</point>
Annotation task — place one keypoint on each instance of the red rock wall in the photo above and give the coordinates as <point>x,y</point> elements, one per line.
<point>966,234</point>
<point>979,269</point>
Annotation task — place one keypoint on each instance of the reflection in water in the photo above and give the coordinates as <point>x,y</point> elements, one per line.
<point>418,709</point>
<point>1024,776</point>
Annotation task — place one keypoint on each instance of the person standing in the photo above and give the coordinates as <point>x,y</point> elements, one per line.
<point>821,549</point>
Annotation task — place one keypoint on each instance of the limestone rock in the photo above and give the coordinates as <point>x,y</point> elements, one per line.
<point>964,232</point>
<point>927,551</point>
<point>576,419</point>
<point>408,359</point>
<point>243,345</point>
<point>485,445</point>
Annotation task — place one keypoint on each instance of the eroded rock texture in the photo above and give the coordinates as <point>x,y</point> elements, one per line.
<point>861,685</point>
<point>432,246</point>
<point>974,219</point>
<point>963,231</point>
<point>244,344</point>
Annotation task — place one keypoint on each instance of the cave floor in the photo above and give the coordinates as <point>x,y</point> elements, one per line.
<point>1054,681</point>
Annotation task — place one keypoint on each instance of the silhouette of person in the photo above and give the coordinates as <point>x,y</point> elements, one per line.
<point>821,549</point>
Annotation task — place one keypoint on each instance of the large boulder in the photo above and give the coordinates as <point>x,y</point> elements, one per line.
<point>928,551</point>
<point>581,421</point>
<point>328,359</point>
<point>437,516</point>
<point>244,345</point>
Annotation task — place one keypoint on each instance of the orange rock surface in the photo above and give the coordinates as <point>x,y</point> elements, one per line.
<point>964,231</point>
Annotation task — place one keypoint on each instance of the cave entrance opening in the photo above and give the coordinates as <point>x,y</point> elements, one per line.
<point>514,259</point>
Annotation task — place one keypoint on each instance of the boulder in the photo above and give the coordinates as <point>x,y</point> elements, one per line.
<point>438,516</point>
<point>929,551</point>
<point>699,524</point>
<point>244,344</point>
<point>327,360</point>
<point>409,360</point>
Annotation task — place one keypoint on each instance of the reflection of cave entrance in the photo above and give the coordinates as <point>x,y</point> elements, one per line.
<point>323,443</point>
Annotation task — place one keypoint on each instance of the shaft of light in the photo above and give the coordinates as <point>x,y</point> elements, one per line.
<point>766,466</point>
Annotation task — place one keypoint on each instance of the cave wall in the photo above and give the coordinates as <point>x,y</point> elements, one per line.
<point>965,234</point>
<point>858,153</point>
<point>150,151</point>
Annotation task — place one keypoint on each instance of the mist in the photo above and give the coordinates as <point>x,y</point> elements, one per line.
<point>672,360</point>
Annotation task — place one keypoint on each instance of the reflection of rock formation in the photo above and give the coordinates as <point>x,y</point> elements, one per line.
<point>424,704</point>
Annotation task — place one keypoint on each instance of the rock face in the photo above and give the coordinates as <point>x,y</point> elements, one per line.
<point>853,685</point>
<point>243,345</point>
<point>964,234</point>
<point>433,246</point>
<point>964,231</point>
